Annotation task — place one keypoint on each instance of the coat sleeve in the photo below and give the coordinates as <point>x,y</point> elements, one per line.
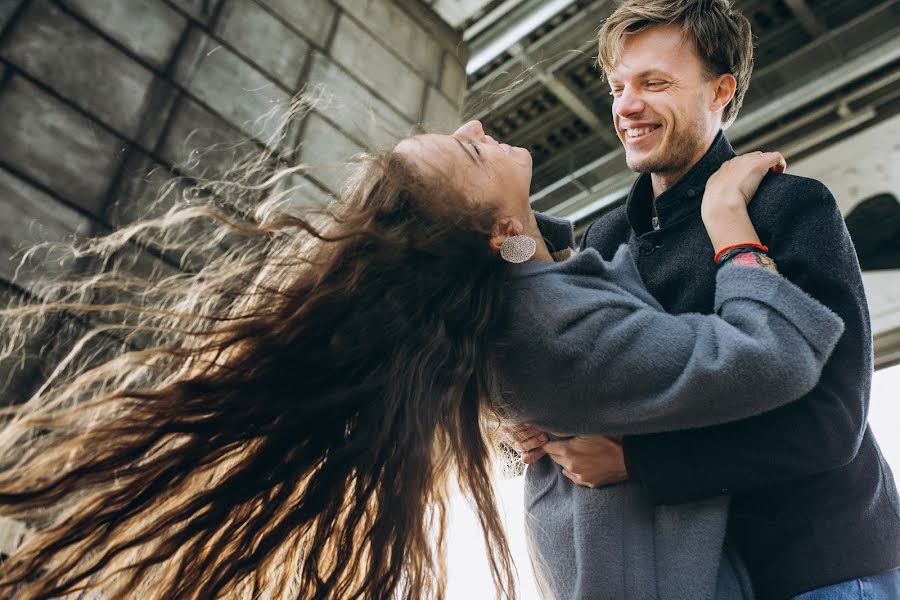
<point>607,361</point>
<point>819,432</point>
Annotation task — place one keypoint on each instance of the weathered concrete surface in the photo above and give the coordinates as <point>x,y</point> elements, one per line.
<point>260,36</point>
<point>379,69</point>
<point>311,18</point>
<point>7,10</point>
<point>200,10</point>
<point>56,145</point>
<point>58,50</point>
<point>390,25</point>
<point>148,28</point>
<point>200,143</point>
<point>440,114</point>
<point>138,194</point>
<point>30,217</point>
<point>231,86</point>
<point>366,118</point>
<point>326,149</point>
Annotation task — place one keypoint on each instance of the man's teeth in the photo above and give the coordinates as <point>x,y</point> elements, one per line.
<point>637,132</point>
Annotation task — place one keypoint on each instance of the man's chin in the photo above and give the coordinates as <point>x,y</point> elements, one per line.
<point>639,164</point>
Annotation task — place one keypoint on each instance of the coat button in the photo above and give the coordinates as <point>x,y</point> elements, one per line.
<point>691,192</point>
<point>647,247</point>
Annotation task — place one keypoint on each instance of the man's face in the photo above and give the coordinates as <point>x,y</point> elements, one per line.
<point>662,102</point>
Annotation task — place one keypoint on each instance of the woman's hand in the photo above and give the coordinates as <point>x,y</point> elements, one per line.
<point>589,461</point>
<point>729,191</point>
<point>737,179</point>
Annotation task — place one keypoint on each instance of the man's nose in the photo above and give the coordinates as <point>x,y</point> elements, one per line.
<point>628,103</point>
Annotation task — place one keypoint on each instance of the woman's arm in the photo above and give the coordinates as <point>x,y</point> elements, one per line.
<point>603,361</point>
<point>727,193</point>
<point>606,361</point>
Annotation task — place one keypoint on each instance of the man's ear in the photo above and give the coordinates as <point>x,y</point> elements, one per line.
<point>724,87</point>
<point>503,230</point>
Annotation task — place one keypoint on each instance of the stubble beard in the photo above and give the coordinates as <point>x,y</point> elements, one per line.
<point>675,155</point>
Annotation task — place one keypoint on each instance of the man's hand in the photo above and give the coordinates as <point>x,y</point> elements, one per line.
<point>592,461</point>
<point>528,441</point>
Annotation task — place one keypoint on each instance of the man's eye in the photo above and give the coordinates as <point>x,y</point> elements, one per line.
<point>475,148</point>
<point>615,91</point>
<point>655,83</point>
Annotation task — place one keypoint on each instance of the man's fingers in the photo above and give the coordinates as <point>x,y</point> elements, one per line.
<point>519,427</point>
<point>521,432</point>
<point>576,479</point>
<point>557,448</point>
<point>526,434</point>
<point>522,437</point>
<point>532,443</point>
<point>526,444</point>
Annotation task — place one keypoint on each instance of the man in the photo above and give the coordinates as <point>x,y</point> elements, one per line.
<point>814,509</point>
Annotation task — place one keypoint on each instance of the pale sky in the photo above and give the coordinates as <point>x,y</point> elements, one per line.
<point>468,574</point>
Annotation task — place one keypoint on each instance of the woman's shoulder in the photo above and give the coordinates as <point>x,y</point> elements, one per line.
<point>586,262</point>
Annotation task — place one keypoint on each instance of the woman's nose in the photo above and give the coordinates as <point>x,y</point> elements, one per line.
<point>472,129</point>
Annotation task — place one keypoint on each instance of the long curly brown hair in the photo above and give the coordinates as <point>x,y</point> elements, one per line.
<point>282,420</point>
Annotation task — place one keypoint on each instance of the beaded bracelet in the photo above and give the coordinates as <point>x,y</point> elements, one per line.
<point>729,251</point>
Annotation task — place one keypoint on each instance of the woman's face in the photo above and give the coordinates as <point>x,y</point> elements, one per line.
<point>486,171</point>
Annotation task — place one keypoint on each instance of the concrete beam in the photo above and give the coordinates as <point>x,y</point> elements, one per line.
<point>807,18</point>
<point>567,94</point>
<point>573,40</point>
<point>526,18</point>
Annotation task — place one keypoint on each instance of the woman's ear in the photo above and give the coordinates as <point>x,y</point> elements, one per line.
<point>503,230</point>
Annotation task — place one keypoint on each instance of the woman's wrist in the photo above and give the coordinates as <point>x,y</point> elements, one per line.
<point>724,201</point>
<point>727,222</point>
<point>729,251</point>
<point>759,260</point>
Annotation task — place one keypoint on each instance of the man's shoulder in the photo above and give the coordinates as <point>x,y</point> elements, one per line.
<point>784,196</point>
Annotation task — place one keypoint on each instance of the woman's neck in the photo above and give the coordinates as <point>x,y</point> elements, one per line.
<point>542,253</point>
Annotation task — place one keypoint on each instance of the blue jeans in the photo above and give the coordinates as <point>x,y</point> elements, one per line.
<point>884,586</point>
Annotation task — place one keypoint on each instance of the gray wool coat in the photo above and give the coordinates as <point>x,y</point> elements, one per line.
<point>592,352</point>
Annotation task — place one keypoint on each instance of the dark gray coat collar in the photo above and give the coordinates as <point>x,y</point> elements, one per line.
<point>682,198</point>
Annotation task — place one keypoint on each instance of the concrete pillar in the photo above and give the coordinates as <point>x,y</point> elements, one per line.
<point>92,91</point>
<point>96,94</point>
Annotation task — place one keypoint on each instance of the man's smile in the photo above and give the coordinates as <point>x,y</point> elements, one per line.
<point>637,133</point>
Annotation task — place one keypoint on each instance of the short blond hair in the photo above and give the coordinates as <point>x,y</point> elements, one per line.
<point>720,33</point>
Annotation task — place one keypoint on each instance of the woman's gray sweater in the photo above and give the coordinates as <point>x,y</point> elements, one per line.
<point>592,352</point>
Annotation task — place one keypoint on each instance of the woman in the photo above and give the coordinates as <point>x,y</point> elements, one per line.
<point>291,420</point>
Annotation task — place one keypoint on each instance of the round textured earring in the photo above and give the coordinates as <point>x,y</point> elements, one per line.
<point>518,248</point>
